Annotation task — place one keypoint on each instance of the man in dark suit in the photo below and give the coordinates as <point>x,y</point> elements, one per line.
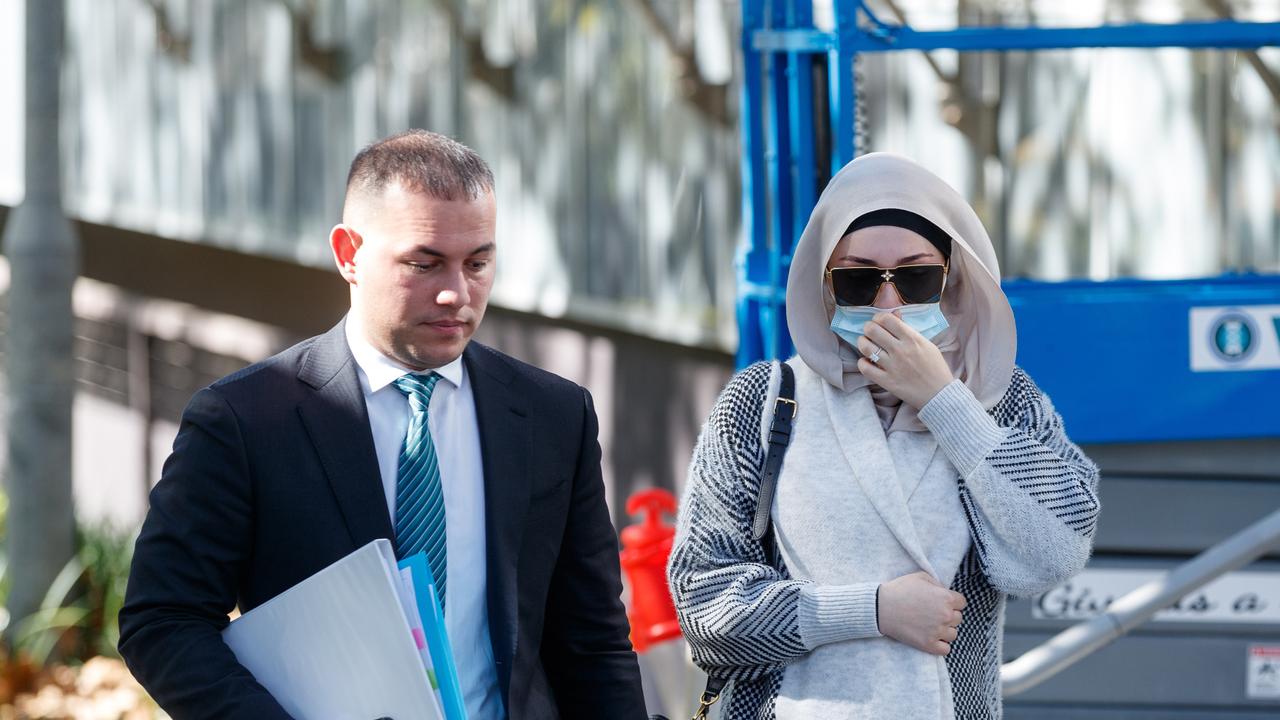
<point>393,425</point>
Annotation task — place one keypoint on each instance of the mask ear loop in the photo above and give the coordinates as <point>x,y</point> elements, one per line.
<point>948,283</point>
<point>946,279</point>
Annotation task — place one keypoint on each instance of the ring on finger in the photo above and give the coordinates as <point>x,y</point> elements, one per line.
<point>875,354</point>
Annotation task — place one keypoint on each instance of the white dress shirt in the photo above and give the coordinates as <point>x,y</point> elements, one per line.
<point>451,419</point>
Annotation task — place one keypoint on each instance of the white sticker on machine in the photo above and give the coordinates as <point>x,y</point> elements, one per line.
<point>1263,672</point>
<point>1245,337</point>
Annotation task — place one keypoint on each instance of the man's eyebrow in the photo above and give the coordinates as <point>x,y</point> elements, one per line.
<point>423,249</point>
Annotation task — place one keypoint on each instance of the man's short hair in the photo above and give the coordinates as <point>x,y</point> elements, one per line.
<point>420,161</point>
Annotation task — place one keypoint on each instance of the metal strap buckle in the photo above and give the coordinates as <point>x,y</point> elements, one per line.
<point>704,704</point>
<point>794,406</point>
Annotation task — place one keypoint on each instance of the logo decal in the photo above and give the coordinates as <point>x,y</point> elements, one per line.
<point>1233,336</point>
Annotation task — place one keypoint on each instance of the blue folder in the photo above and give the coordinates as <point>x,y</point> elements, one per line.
<point>424,588</point>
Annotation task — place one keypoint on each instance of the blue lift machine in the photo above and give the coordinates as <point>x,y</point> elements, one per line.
<point>1175,360</point>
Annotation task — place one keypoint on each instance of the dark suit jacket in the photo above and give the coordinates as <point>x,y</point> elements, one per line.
<point>273,476</point>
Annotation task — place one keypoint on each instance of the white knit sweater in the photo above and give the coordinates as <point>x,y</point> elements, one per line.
<point>854,509</point>
<point>1028,496</point>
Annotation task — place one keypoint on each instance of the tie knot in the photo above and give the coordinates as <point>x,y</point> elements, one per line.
<point>418,389</point>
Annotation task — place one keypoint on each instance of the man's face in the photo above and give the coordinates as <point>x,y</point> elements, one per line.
<point>420,271</point>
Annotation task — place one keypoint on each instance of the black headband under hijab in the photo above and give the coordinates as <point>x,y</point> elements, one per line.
<point>906,220</point>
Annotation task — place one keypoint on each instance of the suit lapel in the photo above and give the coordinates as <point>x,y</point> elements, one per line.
<point>337,422</point>
<point>505,437</point>
<point>862,440</point>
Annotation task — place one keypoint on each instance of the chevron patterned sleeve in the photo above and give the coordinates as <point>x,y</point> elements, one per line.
<point>1030,494</point>
<point>739,614</point>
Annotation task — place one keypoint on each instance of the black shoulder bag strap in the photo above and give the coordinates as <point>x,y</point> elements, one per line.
<point>784,414</point>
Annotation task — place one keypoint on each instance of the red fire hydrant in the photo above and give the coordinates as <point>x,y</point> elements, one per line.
<point>645,549</point>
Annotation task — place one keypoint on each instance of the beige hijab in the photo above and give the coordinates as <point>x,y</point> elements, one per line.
<point>981,342</point>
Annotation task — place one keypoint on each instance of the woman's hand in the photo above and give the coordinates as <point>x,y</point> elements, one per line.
<point>909,366</point>
<point>915,610</point>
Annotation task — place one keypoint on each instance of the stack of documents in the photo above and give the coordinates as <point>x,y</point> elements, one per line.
<point>360,640</point>
<point>426,620</point>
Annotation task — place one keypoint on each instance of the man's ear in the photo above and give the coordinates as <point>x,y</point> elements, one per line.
<point>344,242</point>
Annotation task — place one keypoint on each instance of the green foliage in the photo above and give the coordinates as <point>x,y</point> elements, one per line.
<point>107,554</point>
<point>57,652</point>
<point>78,618</point>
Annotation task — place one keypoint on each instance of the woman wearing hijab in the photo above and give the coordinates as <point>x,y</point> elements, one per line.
<point>927,476</point>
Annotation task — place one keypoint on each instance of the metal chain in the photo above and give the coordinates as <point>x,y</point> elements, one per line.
<point>861,135</point>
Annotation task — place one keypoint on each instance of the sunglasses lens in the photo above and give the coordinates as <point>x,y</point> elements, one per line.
<point>916,284</point>
<point>856,285</point>
<point>919,283</point>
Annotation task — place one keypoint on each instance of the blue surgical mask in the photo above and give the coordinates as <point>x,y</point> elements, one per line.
<point>849,322</point>
<point>926,318</point>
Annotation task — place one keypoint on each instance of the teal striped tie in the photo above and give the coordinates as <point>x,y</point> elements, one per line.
<point>420,521</point>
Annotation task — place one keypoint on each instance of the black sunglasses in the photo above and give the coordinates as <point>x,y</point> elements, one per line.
<point>916,284</point>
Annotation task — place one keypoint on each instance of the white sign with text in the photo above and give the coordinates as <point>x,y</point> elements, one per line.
<point>1238,597</point>
<point>1263,682</point>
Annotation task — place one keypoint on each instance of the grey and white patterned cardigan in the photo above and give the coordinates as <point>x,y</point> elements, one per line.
<point>741,614</point>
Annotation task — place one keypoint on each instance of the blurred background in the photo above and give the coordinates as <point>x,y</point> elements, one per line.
<point>200,147</point>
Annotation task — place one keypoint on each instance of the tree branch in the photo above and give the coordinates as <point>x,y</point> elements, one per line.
<point>331,62</point>
<point>957,107</point>
<point>500,79</point>
<point>709,99</point>
<point>937,69</point>
<point>1268,76</point>
<point>169,42</point>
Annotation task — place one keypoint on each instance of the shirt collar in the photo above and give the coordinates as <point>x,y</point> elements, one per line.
<point>380,370</point>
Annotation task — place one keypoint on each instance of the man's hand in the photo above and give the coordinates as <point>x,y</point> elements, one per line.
<point>915,610</point>
<point>909,366</point>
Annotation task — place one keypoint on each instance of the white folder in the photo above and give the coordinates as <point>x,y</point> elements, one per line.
<point>338,646</point>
